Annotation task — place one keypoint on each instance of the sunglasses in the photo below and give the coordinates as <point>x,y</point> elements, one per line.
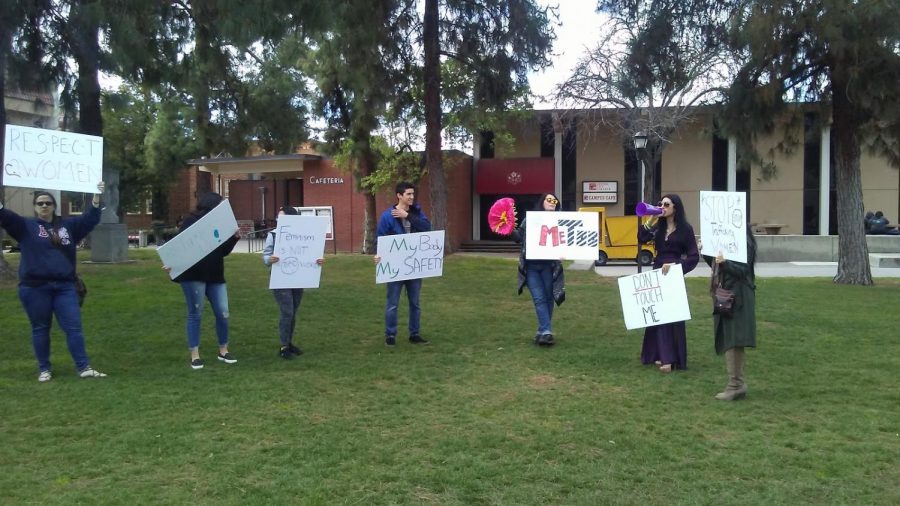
<point>43,203</point>
<point>551,200</point>
<point>665,204</point>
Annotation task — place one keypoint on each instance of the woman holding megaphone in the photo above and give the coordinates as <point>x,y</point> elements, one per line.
<point>666,345</point>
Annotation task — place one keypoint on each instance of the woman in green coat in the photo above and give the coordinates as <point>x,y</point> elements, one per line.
<point>736,332</point>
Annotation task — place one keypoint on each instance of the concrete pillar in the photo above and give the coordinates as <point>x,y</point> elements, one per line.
<point>825,181</point>
<point>732,164</point>
<point>476,198</point>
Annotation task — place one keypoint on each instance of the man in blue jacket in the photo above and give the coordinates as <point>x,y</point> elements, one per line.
<point>404,218</point>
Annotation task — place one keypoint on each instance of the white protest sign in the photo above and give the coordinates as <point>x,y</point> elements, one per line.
<point>649,298</point>
<point>299,242</point>
<point>52,159</point>
<point>723,224</point>
<point>410,256</point>
<point>551,235</point>
<point>198,240</point>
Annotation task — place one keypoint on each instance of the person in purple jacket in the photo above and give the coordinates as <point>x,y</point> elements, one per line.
<point>666,345</point>
<point>47,276</point>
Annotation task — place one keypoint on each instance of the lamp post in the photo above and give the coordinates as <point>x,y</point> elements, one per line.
<point>640,143</point>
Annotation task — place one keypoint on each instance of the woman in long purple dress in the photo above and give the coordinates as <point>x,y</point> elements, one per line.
<point>666,345</point>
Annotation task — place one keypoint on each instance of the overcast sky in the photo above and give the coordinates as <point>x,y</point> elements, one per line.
<point>578,31</point>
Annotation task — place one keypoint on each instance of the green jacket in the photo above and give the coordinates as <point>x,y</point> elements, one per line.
<point>739,330</point>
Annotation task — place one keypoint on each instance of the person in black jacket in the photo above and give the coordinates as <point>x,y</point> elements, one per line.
<point>207,278</point>
<point>47,276</point>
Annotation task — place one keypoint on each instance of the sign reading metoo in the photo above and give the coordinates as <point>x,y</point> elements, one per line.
<point>723,224</point>
<point>649,298</point>
<point>552,235</point>
<point>299,242</point>
<point>198,240</point>
<point>410,256</point>
<point>52,160</point>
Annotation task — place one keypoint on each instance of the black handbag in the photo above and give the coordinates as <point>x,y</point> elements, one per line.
<point>80,290</point>
<point>723,299</point>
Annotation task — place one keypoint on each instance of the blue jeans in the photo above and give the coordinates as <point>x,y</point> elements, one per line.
<point>539,278</point>
<point>288,300</point>
<point>413,288</point>
<point>41,303</point>
<point>194,291</point>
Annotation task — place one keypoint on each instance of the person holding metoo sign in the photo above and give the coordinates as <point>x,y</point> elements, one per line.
<point>666,345</point>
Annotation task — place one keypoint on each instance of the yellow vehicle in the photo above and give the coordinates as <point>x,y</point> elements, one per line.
<point>618,239</point>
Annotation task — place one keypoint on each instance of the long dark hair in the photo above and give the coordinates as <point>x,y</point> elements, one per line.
<point>681,222</point>
<point>539,205</point>
<point>207,203</point>
<point>751,246</point>
<point>54,220</point>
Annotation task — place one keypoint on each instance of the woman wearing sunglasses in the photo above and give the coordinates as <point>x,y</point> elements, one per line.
<point>47,276</point>
<point>666,345</point>
<point>544,278</point>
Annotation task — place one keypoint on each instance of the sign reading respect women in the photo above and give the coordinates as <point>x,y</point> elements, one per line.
<point>198,240</point>
<point>52,160</point>
<point>649,298</point>
<point>410,256</point>
<point>299,242</point>
<point>553,235</point>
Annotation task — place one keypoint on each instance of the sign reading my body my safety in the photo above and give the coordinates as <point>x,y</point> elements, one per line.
<point>410,256</point>
<point>552,235</point>
<point>299,242</point>
<point>198,240</point>
<point>723,224</point>
<point>649,298</point>
<point>52,159</point>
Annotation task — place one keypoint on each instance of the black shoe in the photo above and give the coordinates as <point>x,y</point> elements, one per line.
<point>546,340</point>
<point>390,341</point>
<point>227,358</point>
<point>197,363</point>
<point>285,353</point>
<point>295,350</point>
<point>417,339</point>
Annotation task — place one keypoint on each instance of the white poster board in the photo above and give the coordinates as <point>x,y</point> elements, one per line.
<point>723,224</point>
<point>324,211</point>
<point>52,159</point>
<point>198,240</point>
<point>554,235</point>
<point>410,256</point>
<point>299,242</point>
<point>649,298</point>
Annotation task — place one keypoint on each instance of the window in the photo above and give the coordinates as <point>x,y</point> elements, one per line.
<point>76,205</point>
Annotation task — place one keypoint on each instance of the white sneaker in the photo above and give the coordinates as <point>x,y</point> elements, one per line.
<point>90,372</point>
<point>45,376</point>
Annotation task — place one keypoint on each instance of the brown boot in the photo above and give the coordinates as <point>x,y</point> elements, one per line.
<point>734,363</point>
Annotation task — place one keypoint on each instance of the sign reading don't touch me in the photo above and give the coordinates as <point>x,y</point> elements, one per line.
<point>52,159</point>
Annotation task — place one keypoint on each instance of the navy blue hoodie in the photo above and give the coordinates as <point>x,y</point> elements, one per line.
<point>41,260</point>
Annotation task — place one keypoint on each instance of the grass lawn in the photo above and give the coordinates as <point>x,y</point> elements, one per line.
<point>480,416</point>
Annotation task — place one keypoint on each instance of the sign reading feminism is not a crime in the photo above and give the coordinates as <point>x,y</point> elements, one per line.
<point>52,159</point>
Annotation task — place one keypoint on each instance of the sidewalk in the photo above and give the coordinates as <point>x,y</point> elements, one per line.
<point>763,270</point>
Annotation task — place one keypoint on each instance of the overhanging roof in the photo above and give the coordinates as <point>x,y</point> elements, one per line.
<point>253,164</point>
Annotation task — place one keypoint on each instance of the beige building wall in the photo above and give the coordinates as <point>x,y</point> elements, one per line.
<point>880,186</point>
<point>600,157</point>
<point>687,166</point>
<point>527,139</point>
<point>779,200</point>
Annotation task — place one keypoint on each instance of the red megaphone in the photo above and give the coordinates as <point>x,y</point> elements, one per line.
<point>642,209</point>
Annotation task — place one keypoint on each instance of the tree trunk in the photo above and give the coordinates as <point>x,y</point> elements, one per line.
<point>6,272</point>
<point>853,253</point>
<point>371,218</point>
<point>434,163</point>
<point>85,32</point>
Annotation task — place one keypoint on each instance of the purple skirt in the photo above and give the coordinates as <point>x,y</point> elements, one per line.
<point>666,343</point>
